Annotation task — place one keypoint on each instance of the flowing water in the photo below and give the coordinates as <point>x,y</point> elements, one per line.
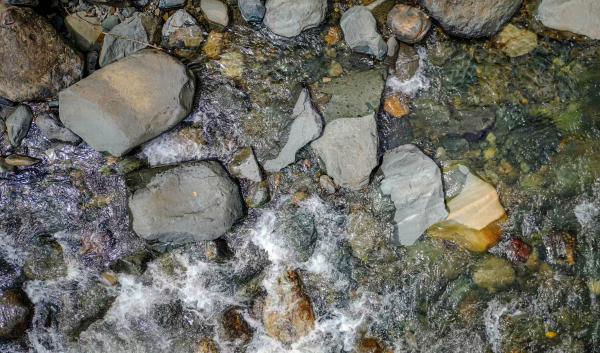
<point>94,286</point>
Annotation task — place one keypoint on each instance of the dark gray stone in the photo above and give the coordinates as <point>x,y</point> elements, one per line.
<point>52,129</point>
<point>18,123</point>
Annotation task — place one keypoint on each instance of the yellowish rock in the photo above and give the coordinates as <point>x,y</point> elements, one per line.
<point>333,36</point>
<point>468,238</point>
<point>515,42</point>
<point>494,274</point>
<point>335,69</point>
<point>232,64</point>
<point>214,45</point>
<point>395,106</point>
<point>594,286</point>
<point>207,345</point>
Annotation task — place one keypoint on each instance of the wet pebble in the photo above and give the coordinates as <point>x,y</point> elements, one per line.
<point>288,18</point>
<point>360,32</point>
<point>18,124</point>
<point>18,160</point>
<point>409,24</point>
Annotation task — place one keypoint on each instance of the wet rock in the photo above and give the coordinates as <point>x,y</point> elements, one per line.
<point>244,165</point>
<point>288,314</point>
<point>368,345</point>
<point>128,37</point>
<point>110,22</point>
<point>333,35</point>
<point>306,126</point>
<point>258,195</point>
<point>395,106</point>
<point>85,30</point>
<point>360,32</point>
<point>169,4</point>
<point>234,327</point>
<point>53,131</point>
<point>577,16</point>
<point>36,62</point>
<point>207,345</point>
<point>407,63</point>
<point>414,183</point>
<point>471,18</point>
<point>232,65</point>
<point>295,232</point>
<point>14,314</point>
<point>18,124</point>
<point>190,202</point>
<point>46,261</point>
<point>494,273</point>
<point>19,160</point>
<point>31,3</point>
<point>353,95</point>
<point>81,307</point>
<point>214,45</point>
<point>182,31</point>
<point>252,10</point>
<point>516,42</point>
<point>215,11</point>
<point>129,102</point>
<point>409,24</point>
<point>288,18</point>
<point>9,274</point>
<point>392,45</point>
<point>367,236</point>
<point>348,148</point>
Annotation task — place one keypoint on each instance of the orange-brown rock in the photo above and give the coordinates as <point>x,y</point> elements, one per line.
<point>234,327</point>
<point>395,106</point>
<point>468,238</point>
<point>207,345</point>
<point>369,345</point>
<point>333,35</point>
<point>288,314</point>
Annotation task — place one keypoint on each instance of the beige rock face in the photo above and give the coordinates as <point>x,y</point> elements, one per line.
<point>35,63</point>
<point>288,314</point>
<point>494,274</point>
<point>86,30</point>
<point>515,41</point>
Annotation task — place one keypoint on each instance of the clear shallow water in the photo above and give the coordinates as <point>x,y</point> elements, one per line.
<point>541,153</point>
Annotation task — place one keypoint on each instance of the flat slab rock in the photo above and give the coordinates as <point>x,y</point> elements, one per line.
<point>128,102</point>
<point>414,183</point>
<point>190,202</point>
<point>288,18</point>
<point>577,16</point>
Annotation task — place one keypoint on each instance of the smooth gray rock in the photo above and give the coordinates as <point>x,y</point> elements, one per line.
<point>471,18</point>
<point>252,10</point>
<point>577,16</point>
<point>128,37</point>
<point>51,128</point>
<point>215,11</point>
<point>360,32</point>
<point>244,165</point>
<point>18,124</point>
<point>414,183</point>
<point>348,148</point>
<point>129,102</point>
<point>182,31</point>
<point>288,18</point>
<point>307,126</point>
<point>190,202</point>
<point>169,4</point>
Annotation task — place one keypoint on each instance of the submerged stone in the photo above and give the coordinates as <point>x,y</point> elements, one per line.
<point>414,183</point>
<point>288,18</point>
<point>252,10</point>
<point>515,42</point>
<point>494,273</point>
<point>190,202</point>
<point>577,16</point>
<point>129,102</point>
<point>360,32</point>
<point>14,314</point>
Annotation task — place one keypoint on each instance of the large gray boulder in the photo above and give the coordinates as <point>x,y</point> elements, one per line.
<point>471,18</point>
<point>414,183</point>
<point>129,102</point>
<point>307,126</point>
<point>360,32</point>
<point>577,16</point>
<point>190,202</point>
<point>35,63</point>
<point>348,148</point>
<point>288,18</point>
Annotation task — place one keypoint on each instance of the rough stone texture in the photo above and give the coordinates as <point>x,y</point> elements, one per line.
<point>348,148</point>
<point>414,183</point>
<point>36,62</point>
<point>244,165</point>
<point>18,124</point>
<point>190,202</point>
<point>409,24</point>
<point>577,16</point>
<point>288,314</point>
<point>129,102</point>
<point>471,18</point>
<point>182,31</point>
<point>494,273</point>
<point>215,11</point>
<point>51,128</point>
<point>142,28</point>
<point>360,32</point>
<point>516,42</point>
<point>252,10</point>
<point>14,314</point>
<point>85,30</point>
<point>307,126</point>
<point>288,18</point>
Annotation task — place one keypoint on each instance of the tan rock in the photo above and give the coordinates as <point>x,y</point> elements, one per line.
<point>207,345</point>
<point>288,314</point>
<point>494,273</point>
<point>395,106</point>
<point>85,30</point>
<point>214,45</point>
<point>234,327</point>
<point>409,24</point>
<point>232,64</point>
<point>333,36</point>
<point>515,41</point>
<point>468,238</point>
<point>368,345</point>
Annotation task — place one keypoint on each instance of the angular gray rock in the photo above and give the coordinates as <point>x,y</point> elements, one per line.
<point>288,18</point>
<point>128,37</point>
<point>129,102</point>
<point>577,16</point>
<point>307,126</point>
<point>244,165</point>
<point>215,11</point>
<point>18,124</point>
<point>51,128</point>
<point>348,148</point>
<point>190,202</point>
<point>182,31</point>
<point>409,24</point>
<point>360,32</point>
<point>29,70</point>
<point>85,30</point>
<point>169,4</point>
<point>414,183</point>
<point>252,10</point>
<point>471,18</point>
